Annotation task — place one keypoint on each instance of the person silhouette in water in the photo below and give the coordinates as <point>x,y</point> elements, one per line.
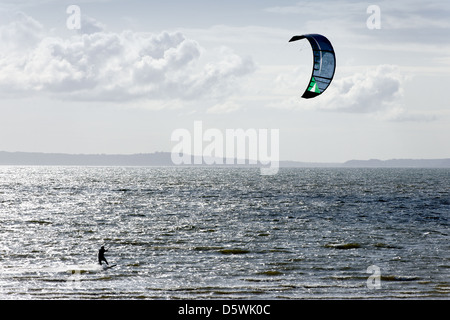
<point>101,255</point>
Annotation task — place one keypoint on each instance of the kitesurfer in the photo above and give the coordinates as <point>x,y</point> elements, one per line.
<point>101,255</point>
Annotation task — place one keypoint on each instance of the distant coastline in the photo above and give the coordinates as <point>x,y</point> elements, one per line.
<point>164,159</point>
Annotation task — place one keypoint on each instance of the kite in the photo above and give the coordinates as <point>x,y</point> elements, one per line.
<point>324,64</point>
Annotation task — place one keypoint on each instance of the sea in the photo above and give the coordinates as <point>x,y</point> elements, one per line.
<point>224,233</point>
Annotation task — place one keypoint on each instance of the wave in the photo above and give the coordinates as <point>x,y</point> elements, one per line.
<point>82,268</point>
<point>207,248</point>
<point>385,245</point>
<point>355,245</point>
<point>42,222</point>
<point>271,273</point>
<point>344,246</point>
<point>234,251</point>
<point>398,278</point>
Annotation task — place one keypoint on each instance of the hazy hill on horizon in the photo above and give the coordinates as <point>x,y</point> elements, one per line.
<point>164,159</point>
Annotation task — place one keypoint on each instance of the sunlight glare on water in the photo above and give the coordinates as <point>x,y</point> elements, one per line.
<point>215,233</point>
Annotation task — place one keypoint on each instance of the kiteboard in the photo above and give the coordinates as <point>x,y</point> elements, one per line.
<point>105,267</point>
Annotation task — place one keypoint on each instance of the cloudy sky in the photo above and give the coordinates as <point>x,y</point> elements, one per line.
<point>135,71</point>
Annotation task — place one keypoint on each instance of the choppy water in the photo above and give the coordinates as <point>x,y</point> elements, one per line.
<point>210,233</point>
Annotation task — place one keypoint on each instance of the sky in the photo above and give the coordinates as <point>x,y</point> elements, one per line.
<point>133,72</point>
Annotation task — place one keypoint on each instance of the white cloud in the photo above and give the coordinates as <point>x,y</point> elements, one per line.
<point>90,25</point>
<point>373,90</point>
<point>405,24</point>
<point>105,66</point>
<point>21,34</point>
<point>224,108</point>
<point>377,91</point>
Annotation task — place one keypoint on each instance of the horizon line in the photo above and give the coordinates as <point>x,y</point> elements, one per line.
<point>169,153</point>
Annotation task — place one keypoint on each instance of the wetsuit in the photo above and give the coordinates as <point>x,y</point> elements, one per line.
<point>101,255</point>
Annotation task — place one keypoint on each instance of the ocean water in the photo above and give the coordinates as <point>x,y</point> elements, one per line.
<point>224,233</point>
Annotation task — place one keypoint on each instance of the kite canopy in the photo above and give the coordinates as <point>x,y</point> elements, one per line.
<point>324,64</point>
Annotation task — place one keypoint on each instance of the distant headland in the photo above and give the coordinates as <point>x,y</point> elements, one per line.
<point>164,159</point>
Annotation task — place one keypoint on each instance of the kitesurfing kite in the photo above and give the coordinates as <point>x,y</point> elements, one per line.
<point>324,64</point>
